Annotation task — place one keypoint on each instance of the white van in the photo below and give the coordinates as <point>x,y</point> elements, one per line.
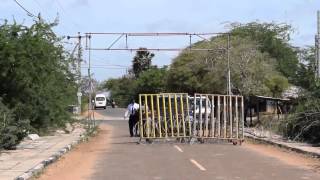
<point>203,108</point>
<point>100,101</point>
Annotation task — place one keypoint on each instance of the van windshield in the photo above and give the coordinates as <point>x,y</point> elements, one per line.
<point>198,103</point>
<point>100,98</point>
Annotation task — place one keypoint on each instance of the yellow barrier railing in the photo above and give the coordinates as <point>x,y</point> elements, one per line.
<point>176,115</point>
<point>164,115</point>
<point>218,116</point>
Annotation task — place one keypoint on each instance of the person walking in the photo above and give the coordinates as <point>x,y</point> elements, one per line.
<point>113,104</point>
<point>132,112</point>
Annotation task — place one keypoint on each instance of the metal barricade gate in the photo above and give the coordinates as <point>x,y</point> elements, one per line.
<point>218,117</point>
<point>177,115</point>
<point>164,115</point>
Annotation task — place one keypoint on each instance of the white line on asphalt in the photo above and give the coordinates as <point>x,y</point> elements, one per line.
<point>198,165</point>
<point>178,148</point>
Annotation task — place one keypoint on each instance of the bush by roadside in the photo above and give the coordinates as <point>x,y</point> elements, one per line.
<point>37,84</point>
<point>304,123</point>
<point>11,130</point>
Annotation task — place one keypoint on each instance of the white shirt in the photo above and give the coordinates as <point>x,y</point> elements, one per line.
<point>132,108</point>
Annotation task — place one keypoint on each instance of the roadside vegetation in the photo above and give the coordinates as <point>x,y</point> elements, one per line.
<point>263,62</point>
<point>142,78</point>
<point>36,82</point>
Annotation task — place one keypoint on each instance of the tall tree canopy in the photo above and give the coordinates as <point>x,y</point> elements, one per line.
<point>207,71</point>
<point>274,39</point>
<point>152,81</point>
<point>141,61</point>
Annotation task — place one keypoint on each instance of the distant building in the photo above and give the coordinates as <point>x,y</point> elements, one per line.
<point>257,106</point>
<point>292,92</point>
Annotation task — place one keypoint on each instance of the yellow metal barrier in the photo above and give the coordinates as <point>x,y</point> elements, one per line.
<point>167,115</point>
<point>218,116</point>
<point>164,115</point>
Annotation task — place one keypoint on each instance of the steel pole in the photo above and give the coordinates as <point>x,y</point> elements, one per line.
<point>229,71</point>
<point>79,74</point>
<point>90,108</point>
<point>317,46</point>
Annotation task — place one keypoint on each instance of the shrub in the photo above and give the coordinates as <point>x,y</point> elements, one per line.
<point>11,131</point>
<point>304,124</point>
<point>37,84</point>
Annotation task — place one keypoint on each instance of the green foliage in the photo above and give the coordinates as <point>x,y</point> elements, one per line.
<point>11,129</point>
<point>122,89</point>
<point>306,69</point>
<point>190,72</point>
<point>272,38</point>
<point>35,79</point>
<point>6,118</point>
<point>277,84</point>
<point>125,88</point>
<point>152,81</point>
<point>141,61</point>
<point>304,124</point>
<point>145,78</point>
<point>206,72</point>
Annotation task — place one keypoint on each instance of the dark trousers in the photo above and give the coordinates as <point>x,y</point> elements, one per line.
<point>132,123</point>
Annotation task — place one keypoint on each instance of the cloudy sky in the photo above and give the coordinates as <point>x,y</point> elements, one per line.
<point>159,16</point>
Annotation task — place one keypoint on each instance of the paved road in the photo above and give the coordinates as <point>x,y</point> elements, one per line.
<point>128,160</point>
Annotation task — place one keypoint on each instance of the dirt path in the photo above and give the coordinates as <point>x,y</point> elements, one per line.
<point>79,163</point>
<point>97,115</point>
<point>288,157</point>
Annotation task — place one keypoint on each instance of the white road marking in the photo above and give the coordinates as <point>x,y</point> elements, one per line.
<point>305,177</point>
<point>218,155</point>
<point>198,165</point>
<point>178,148</point>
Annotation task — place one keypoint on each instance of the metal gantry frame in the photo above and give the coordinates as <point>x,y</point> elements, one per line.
<point>125,35</point>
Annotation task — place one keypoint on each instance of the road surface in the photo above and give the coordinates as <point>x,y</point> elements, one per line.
<point>125,159</point>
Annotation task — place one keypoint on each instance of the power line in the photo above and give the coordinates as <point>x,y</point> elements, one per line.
<point>105,63</point>
<point>41,10</point>
<point>101,67</point>
<point>49,16</point>
<point>65,12</point>
<point>111,65</point>
<point>37,3</point>
<point>28,12</point>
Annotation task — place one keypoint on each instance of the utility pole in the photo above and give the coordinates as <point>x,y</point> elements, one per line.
<point>90,108</point>
<point>317,46</point>
<point>79,94</point>
<point>78,71</point>
<point>229,71</point>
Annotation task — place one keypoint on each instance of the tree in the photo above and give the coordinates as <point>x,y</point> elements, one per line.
<point>141,61</point>
<point>304,123</point>
<point>277,84</point>
<point>36,82</point>
<point>122,89</point>
<point>306,69</point>
<point>274,39</point>
<point>206,72</point>
<point>152,81</point>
